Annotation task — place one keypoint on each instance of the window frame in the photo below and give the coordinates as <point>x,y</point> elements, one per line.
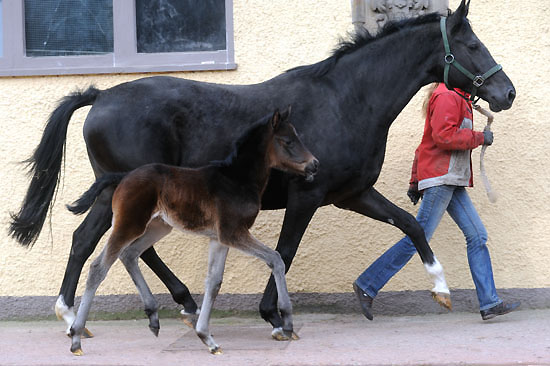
<point>124,59</point>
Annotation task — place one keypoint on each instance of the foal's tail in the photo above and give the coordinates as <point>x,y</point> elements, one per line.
<point>45,168</point>
<point>86,201</point>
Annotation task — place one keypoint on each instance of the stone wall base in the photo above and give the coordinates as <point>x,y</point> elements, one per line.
<point>386,303</point>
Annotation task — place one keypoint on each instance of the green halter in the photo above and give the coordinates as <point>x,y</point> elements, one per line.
<point>477,81</point>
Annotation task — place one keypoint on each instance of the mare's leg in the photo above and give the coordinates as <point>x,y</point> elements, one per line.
<point>180,293</point>
<point>156,230</point>
<point>216,263</point>
<point>372,204</point>
<point>300,209</point>
<point>250,245</point>
<point>85,239</point>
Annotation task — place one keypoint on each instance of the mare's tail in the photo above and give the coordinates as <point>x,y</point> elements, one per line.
<point>45,168</point>
<point>86,201</point>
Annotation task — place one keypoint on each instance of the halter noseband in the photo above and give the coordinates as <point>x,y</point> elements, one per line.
<point>477,80</point>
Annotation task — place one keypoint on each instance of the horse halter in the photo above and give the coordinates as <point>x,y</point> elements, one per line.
<point>477,80</point>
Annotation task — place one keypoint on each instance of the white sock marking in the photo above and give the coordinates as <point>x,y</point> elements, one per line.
<point>64,312</point>
<point>435,271</point>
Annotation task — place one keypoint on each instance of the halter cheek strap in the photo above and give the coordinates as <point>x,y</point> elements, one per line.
<point>477,80</point>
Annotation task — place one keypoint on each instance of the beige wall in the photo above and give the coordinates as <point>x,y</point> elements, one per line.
<point>270,37</point>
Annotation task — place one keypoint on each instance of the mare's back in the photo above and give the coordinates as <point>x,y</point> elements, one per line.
<point>168,120</point>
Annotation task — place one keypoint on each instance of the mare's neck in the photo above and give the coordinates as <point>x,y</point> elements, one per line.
<point>383,76</point>
<point>249,164</point>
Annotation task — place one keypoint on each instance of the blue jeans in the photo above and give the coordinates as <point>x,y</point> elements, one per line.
<point>436,200</point>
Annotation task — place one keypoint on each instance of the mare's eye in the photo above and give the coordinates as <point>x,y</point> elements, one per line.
<point>473,46</point>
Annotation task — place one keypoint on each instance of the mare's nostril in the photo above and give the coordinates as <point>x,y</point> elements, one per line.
<point>511,95</point>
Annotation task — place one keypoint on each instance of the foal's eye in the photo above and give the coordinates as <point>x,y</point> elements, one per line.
<point>285,142</point>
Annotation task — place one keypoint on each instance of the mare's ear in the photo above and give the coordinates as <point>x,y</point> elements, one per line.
<point>463,9</point>
<point>276,119</point>
<point>457,19</point>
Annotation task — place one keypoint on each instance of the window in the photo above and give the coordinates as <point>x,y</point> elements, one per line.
<point>1,32</point>
<point>52,37</point>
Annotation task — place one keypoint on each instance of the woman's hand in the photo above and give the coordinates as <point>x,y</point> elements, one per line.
<point>487,137</point>
<point>413,193</point>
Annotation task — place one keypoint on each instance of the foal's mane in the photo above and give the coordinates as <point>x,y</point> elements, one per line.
<point>255,130</point>
<point>356,40</point>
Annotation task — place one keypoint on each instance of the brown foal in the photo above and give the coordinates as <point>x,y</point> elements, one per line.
<point>220,200</point>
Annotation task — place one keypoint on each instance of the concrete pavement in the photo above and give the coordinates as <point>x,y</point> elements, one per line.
<point>519,338</point>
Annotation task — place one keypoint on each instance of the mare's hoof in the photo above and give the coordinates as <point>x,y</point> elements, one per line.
<point>443,299</point>
<point>155,330</point>
<point>78,352</point>
<point>87,334</point>
<point>216,350</point>
<point>284,335</point>
<point>190,319</point>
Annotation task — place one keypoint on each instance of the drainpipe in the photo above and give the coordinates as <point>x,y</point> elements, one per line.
<point>358,14</point>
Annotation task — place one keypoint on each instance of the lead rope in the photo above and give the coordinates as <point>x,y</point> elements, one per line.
<point>490,193</point>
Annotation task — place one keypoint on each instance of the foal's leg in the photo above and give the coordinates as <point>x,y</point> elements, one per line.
<point>216,263</point>
<point>374,205</point>
<point>122,235</point>
<point>85,239</point>
<point>156,230</point>
<point>98,270</point>
<point>272,258</point>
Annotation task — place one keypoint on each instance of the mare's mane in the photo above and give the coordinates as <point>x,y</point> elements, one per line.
<point>254,131</point>
<point>357,40</point>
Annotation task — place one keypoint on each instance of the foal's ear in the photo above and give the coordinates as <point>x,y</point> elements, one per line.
<point>286,114</point>
<point>276,119</point>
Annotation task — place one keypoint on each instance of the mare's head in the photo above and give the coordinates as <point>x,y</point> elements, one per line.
<point>469,51</point>
<point>287,152</point>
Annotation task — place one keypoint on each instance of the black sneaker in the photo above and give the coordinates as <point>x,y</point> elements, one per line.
<point>364,300</point>
<point>500,309</point>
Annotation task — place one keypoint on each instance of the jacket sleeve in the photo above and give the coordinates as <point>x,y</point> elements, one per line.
<point>445,121</point>
<point>414,176</point>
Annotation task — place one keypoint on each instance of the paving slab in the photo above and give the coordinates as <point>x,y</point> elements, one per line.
<point>520,338</point>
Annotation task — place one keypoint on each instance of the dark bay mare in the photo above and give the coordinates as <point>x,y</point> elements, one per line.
<point>343,108</point>
<point>220,200</point>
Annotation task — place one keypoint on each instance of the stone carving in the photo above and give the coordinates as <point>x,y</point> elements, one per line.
<point>373,14</point>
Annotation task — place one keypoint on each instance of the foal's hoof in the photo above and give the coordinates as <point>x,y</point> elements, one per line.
<point>77,352</point>
<point>216,350</point>
<point>155,330</point>
<point>284,335</point>
<point>443,299</point>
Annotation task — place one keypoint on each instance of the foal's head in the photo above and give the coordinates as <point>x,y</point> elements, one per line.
<point>287,152</point>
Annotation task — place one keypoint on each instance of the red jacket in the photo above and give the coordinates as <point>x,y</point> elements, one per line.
<point>444,155</point>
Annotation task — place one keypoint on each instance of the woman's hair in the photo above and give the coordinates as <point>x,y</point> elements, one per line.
<point>429,91</point>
